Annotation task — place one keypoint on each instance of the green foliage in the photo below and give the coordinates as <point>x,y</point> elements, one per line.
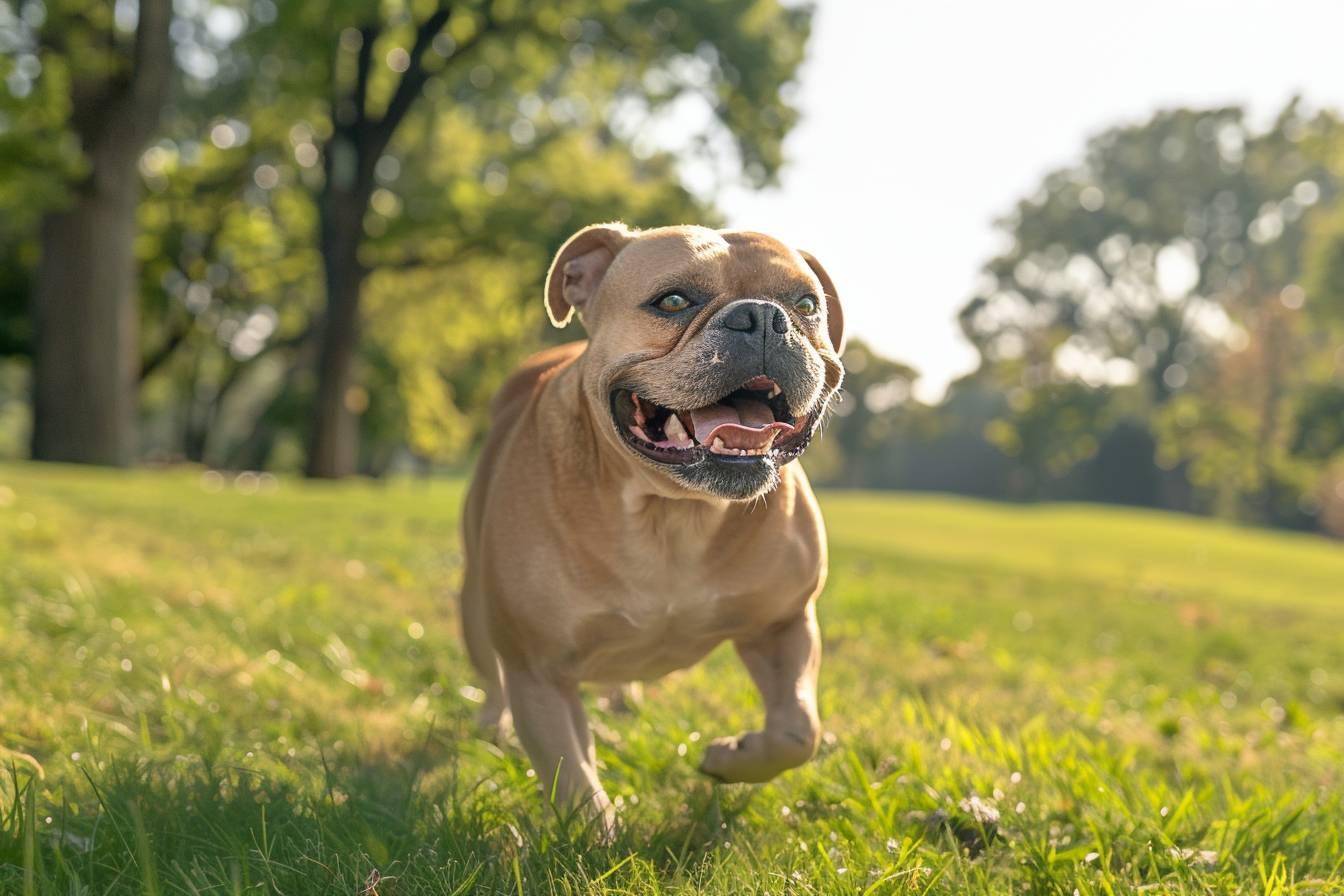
<point>1155,248</point>
<point>1164,275</point>
<point>875,412</point>
<point>257,684</point>
<point>531,124</point>
<point>1319,423</point>
<point>1052,429</point>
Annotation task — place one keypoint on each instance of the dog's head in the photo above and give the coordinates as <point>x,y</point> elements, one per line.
<point>712,355</point>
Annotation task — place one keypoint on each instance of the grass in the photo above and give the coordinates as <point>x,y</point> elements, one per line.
<point>236,686</point>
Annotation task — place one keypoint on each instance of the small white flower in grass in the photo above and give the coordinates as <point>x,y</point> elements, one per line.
<point>1163,811</point>
<point>1020,808</point>
<point>416,631</point>
<point>126,665</point>
<point>892,844</point>
<point>983,811</point>
<point>1091,857</point>
<point>681,749</point>
<point>1015,777</point>
<point>1197,858</point>
<point>945,744</point>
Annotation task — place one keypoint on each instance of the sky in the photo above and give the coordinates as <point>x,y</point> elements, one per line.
<point>924,122</point>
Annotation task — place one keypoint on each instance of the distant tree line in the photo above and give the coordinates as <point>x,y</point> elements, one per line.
<point>1166,329</point>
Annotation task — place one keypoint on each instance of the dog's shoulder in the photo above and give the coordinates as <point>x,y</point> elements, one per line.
<point>531,373</point>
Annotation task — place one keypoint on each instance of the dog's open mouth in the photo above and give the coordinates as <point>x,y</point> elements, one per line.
<point>751,423</point>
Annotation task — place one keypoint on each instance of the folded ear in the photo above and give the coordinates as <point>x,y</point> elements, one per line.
<point>579,267</point>
<point>835,317</point>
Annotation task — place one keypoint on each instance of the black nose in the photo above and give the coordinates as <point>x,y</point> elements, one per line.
<point>752,316</point>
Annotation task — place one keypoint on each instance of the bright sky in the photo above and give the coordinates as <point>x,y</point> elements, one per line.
<point>923,122</point>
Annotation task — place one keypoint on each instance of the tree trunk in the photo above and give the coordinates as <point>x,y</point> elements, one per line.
<point>85,359</point>
<point>333,444</point>
<point>84,341</point>
<point>348,162</point>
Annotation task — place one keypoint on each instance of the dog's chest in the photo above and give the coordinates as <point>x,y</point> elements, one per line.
<point>645,628</point>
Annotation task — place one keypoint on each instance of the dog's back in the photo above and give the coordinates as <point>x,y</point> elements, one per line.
<point>506,410</point>
<point>531,373</point>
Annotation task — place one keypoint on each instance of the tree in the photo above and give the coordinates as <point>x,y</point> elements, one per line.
<point>114,86</point>
<point>864,434</point>
<point>353,76</point>
<point>1174,244</point>
<point>1132,264</point>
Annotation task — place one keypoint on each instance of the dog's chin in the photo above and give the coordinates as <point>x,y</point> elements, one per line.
<point>736,480</point>
<point>733,448</point>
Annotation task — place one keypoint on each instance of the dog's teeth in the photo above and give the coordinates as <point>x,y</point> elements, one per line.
<point>717,444</point>
<point>775,390</point>
<point>675,431</point>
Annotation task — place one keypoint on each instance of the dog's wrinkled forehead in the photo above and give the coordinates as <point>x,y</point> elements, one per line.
<point>723,265</point>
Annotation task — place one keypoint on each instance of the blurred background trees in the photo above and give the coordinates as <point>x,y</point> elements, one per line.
<point>310,236</point>
<point>347,205</point>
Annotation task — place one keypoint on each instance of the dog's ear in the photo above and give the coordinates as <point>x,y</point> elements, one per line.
<point>579,267</point>
<point>835,317</point>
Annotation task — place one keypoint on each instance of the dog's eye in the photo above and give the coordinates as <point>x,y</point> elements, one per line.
<point>672,303</point>
<point>807,305</point>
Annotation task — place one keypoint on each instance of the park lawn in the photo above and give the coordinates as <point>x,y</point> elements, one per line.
<point>219,685</point>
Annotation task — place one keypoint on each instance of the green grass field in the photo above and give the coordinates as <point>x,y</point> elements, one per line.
<point>219,686</point>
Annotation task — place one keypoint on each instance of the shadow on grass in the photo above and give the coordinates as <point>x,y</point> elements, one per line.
<point>389,825</point>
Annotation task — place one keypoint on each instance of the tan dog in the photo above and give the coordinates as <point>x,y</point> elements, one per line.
<point>634,504</point>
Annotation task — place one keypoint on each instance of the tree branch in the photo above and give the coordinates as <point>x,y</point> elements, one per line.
<point>412,81</point>
<point>152,60</point>
<point>161,355</point>
<point>364,64</point>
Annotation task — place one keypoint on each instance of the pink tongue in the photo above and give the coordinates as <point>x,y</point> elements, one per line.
<point>743,412</point>
<point>756,414</point>
<point>706,420</point>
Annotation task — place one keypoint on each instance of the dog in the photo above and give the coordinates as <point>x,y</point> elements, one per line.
<point>635,503</point>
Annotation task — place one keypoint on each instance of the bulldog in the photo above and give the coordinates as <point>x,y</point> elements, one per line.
<point>635,503</point>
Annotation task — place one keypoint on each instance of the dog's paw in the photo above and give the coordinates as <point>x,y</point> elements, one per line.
<point>744,759</point>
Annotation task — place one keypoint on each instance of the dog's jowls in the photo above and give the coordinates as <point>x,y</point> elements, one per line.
<point>635,503</point>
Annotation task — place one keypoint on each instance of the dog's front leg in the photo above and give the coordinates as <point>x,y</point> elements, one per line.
<point>553,727</point>
<point>784,664</point>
